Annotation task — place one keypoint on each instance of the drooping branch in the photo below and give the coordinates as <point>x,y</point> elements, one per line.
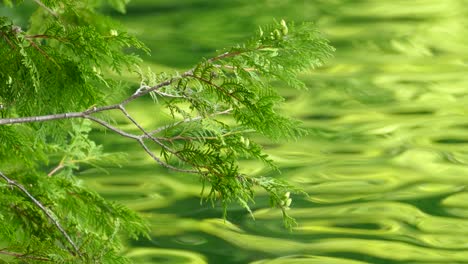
<point>44,209</point>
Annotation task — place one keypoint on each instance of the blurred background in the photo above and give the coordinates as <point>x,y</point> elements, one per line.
<point>385,164</point>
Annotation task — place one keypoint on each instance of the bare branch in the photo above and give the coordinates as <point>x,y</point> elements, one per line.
<point>18,120</point>
<point>43,209</point>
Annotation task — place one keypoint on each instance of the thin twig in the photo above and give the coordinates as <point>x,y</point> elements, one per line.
<point>23,256</point>
<point>54,170</point>
<point>162,163</point>
<point>233,67</point>
<point>44,209</point>
<point>140,93</point>
<point>42,36</point>
<point>230,54</point>
<point>145,133</point>
<point>111,127</point>
<point>42,52</point>
<point>52,12</point>
<point>219,88</point>
<point>179,137</point>
<point>170,95</point>
<point>187,120</point>
<point>8,40</point>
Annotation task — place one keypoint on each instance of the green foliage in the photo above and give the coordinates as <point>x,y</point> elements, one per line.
<point>56,65</point>
<point>238,81</point>
<point>59,64</point>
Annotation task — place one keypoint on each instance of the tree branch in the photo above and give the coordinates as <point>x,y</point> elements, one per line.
<point>43,209</point>
<point>19,120</point>
<point>23,256</point>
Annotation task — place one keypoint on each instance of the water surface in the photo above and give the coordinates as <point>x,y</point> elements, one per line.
<point>385,164</point>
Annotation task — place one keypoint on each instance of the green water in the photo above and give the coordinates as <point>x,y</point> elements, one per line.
<point>385,164</point>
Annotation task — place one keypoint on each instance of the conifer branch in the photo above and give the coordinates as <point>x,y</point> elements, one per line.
<point>58,67</point>
<point>44,209</point>
<point>87,114</point>
<point>22,256</point>
<point>187,120</point>
<point>238,81</point>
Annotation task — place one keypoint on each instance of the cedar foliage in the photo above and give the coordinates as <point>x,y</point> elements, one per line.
<point>56,65</point>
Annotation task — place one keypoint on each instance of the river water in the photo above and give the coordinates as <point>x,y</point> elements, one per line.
<point>385,164</point>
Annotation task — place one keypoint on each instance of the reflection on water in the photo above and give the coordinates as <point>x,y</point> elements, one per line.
<point>386,161</point>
